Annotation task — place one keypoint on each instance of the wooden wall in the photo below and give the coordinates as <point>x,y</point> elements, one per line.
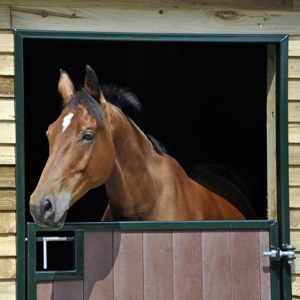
<point>177,16</point>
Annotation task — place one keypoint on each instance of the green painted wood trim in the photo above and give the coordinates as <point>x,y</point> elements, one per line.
<point>282,162</point>
<point>20,167</point>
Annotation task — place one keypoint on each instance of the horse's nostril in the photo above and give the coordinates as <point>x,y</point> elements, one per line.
<point>47,205</point>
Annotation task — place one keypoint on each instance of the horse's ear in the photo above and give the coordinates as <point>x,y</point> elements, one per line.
<point>91,84</point>
<point>65,86</point>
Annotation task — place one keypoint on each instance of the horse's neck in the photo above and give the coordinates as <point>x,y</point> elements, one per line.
<point>130,188</point>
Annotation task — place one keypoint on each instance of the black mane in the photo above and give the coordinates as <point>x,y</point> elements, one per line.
<point>120,97</point>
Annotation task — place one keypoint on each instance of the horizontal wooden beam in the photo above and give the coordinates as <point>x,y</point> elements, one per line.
<point>7,222</point>
<point>8,245</point>
<point>7,177</point>
<point>7,199</point>
<point>294,67</point>
<point>294,154</point>
<point>281,5</point>
<point>294,176</point>
<point>5,20</point>
<point>155,21</point>
<point>296,286</point>
<point>7,268</point>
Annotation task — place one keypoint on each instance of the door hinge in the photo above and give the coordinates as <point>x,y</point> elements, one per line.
<point>287,253</point>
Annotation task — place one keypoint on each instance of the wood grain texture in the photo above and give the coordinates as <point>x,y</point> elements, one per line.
<point>7,222</point>
<point>7,87</point>
<point>294,89</point>
<point>158,265</point>
<point>128,269</point>
<point>295,219</point>
<point>295,268</point>
<point>271,132</point>
<point>7,268</point>
<point>295,239</point>
<point>7,109</point>
<point>7,64</point>
<point>8,289</point>
<point>7,132</point>
<point>7,177</point>
<point>98,265</point>
<point>7,155</point>
<point>294,176</point>
<point>294,111</point>
<point>265,267</point>
<point>187,265</point>
<point>8,245</point>
<point>294,67</point>
<point>294,46</point>
<point>5,20</point>
<point>7,200</point>
<point>174,4</point>
<point>7,42</point>
<point>245,259</point>
<point>168,21</point>
<point>68,289</point>
<point>216,256</point>
<point>294,154</point>
<point>296,285</point>
<point>294,197</point>
<point>44,290</point>
<point>294,133</point>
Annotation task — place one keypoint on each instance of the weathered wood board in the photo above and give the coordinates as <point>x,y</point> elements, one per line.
<point>7,199</point>
<point>295,197</point>
<point>7,222</point>
<point>282,5</point>
<point>7,64</point>
<point>7,268</point>
<point>7,42</point>
<point>171,21</point>
<point>8,245</point>
<point>7,177</point>
<point>5,20</point>
<point>7,109</point>
<point>7,155</point>
<point>7,132</point>
<point>7,87</point>
<point>8,289</point>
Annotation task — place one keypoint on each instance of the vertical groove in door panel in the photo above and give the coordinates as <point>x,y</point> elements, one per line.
<point>158,265</point>
<point>128,268</point>
<point>216,265</point>
<point>245,265</point>
<point>98,265</point>
<point>187,275</point>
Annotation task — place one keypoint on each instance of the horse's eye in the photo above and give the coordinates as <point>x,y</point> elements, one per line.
<point>88,136</point>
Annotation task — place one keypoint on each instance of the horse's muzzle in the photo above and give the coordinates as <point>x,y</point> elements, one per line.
<point>46,216</point>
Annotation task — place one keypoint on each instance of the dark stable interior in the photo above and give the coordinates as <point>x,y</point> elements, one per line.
<point>206,102</point>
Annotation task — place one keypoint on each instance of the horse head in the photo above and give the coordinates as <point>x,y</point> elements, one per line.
<point>81,151</point>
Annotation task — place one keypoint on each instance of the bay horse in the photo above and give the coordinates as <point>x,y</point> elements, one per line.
<point>93,143</point>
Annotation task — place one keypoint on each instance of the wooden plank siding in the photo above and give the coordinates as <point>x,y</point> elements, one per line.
<point>7,158</point>
<point>280,5</point>
<point>157,21</point>
<point>170,265</point>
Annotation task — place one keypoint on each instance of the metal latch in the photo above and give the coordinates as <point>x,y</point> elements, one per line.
<point>46,239</point>
<point>287,254</point>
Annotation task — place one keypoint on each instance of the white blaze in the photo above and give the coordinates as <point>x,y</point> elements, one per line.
<point>67,121</point>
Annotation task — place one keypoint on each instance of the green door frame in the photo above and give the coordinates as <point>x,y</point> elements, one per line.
<point>281,42</point>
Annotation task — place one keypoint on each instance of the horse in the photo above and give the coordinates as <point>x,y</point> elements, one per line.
<point>92,143</point>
